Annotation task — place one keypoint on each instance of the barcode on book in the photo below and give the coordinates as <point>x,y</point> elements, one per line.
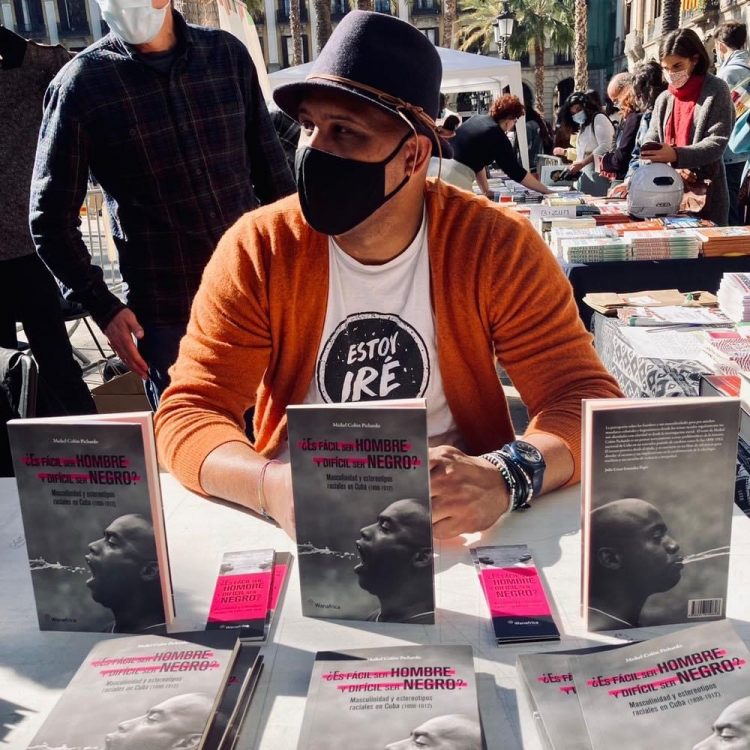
<point>705,607</point>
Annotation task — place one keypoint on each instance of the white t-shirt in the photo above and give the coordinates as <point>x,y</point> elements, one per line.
<point>599,133</point>
<point>379,336</point>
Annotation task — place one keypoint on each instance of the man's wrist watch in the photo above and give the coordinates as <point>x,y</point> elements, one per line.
<point>529,459</point>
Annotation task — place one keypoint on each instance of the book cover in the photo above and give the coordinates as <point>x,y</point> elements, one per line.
<point>688,689</point>
<point>547,682</point>
<point>360,477</point>
<point>392,698</point>
<point>658,488</point>
<point>140,693</point>
<point>242,594</point>
<point>514,593</point>
<point>93,520</point>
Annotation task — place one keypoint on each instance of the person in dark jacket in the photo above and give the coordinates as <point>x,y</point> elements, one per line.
<point>620,91</point>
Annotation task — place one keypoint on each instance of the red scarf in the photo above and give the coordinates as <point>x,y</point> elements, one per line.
<point>678,129</point>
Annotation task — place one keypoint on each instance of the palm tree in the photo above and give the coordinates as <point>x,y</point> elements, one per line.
<point>323,29</point>
<point>581,54</point>
<point>537,22</point>
<point>199,12</point>
<point>295,30</point>
<point>450,14</point>
<point>670,16</point>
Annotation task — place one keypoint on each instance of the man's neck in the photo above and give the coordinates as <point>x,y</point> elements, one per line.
<point>387,233</point>
<point>620,602</point>
<point>164,41</point>
<point>411,599</point>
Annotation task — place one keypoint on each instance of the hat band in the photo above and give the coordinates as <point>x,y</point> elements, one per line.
<point>399,104</point>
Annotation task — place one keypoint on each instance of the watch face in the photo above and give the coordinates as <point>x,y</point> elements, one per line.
<point>528,452</point>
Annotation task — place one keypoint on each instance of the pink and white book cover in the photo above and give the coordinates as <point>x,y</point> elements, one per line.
<point>243,593</point>
<point>517,600</point>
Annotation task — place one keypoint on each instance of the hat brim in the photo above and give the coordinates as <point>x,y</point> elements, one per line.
<point>289,97</point>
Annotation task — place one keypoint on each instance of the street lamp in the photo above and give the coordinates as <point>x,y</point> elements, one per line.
<point>503,29</point>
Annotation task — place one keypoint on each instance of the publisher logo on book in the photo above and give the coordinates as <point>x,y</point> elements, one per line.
<point>372,356</point>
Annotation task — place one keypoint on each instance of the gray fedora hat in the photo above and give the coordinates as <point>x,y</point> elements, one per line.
<point>381,60</point>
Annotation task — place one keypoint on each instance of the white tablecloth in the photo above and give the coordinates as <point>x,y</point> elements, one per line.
<point>36,666</point>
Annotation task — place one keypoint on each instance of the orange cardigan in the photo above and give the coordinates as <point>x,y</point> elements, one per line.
<point>258,317</point>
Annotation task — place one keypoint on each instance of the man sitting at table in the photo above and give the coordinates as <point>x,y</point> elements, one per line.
<point>632,557</point>
<point>396,562</point>
<point>375,283</point>
<point>125,575</point>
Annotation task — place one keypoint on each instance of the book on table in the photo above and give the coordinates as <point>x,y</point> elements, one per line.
<point>515,595</point>
<point>657,499</point>
<point>360,478</point>
<point>546,682</point>
<point>688,689</point>
<point>242,595</point>
<point>148,691</point>
<point>93,521</point>
<point>395,697</point>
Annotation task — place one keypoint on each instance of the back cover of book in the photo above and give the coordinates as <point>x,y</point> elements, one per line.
<point>360,476</point>
<point>658,490</point>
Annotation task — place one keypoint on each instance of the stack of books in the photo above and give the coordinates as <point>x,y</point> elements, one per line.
<point>662,245</point>
<point>727,352</point>
<point>637,226</point>
<point>594,250</point>
<point>725,241</point>
<point>685,222</point>
<point>558,234</point>
<point>612,212</point>
<point>734,296</point>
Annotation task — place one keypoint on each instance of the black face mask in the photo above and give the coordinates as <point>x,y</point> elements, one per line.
<point>337,194</point>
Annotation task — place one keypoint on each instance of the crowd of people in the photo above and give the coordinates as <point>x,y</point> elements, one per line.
<point>672,111</point>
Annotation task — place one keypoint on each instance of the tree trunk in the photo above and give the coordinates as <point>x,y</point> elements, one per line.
<point>539,75</point>
<point>323,13</point>
<point>199,12</point>
<point>581,53</point>
<point>449,23</point>
<point>670,16</point>
<point>295,29</point>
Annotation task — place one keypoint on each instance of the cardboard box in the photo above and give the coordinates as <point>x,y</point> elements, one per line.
<point>123,393</point>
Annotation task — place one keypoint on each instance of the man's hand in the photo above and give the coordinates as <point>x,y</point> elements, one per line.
<point>277,491</point>
<point>468,493</point>
<point>119,332</point>
<point>558,151</point>
<point>619,191</point>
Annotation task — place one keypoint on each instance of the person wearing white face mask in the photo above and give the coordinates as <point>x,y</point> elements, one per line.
<point>692,121</point>
<point>594,130</point>
<point>170,120</point>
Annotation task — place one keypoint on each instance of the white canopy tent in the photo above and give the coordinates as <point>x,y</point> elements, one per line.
<point>462,71</point>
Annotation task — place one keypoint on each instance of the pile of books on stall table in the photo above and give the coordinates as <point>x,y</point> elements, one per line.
<point>728,352</point>
<point>662,244</point>
<point>558,234</point>
<point>594,249</point>
<point>725,241</point>
<point>734,296</point>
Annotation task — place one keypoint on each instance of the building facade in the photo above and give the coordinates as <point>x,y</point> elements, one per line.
<point>638,25</point>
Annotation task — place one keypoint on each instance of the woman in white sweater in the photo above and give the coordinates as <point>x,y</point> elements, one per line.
<point>594,130</point>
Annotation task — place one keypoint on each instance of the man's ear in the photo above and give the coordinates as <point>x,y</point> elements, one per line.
<point>609,558</point>
<point>422,558</point>
<point>150,571</point>
<point>418,151</point>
